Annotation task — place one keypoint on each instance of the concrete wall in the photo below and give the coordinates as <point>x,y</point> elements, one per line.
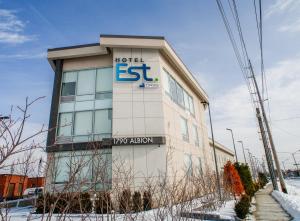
<point>87,62</point>
<point>138,112</point>
<point>172,113</point>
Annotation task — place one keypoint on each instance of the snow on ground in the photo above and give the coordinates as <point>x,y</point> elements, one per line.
<point>291,201</point>
<point>225,212</point>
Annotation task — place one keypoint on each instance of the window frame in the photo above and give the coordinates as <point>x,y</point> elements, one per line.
<point>73,100</point>
<point>196,135</point>
<point>185,137</point>
<point>90,180</point>
<point>187,99</point>
<point>189,167</point>
<point>89,136</point>
<point>76,72</point>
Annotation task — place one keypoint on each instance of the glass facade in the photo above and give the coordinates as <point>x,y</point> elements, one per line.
<point>91,169</point>
<point>85,109</point>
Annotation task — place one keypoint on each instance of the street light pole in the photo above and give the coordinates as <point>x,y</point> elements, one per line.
<point>293,154</point>
<point>240,141</point>
<point>236,157</point>
<point>214,150</point>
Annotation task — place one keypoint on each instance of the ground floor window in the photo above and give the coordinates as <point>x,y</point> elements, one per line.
<point>86,170</point>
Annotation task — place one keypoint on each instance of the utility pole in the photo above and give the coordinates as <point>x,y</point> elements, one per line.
<point>236,157</point>
<point>265,120</point>
<point>267,151</point>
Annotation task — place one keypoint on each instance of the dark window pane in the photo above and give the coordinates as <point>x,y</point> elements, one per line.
<point>104,96</point>
<point>68,89</point>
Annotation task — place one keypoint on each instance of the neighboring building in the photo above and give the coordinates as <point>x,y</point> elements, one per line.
<point>12,186</point>
<point>223,153</point>
<point>36,182</point>
<point>132,99</point>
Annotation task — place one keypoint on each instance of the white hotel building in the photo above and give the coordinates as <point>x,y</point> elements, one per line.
<point>134,98</point>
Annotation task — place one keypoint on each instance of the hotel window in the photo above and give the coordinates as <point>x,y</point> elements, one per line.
<point>186,100</point>
<point>82,164</point>
<point>85,106</point>
<point>184,129</point>
<point>83,125</point>
<point>166,82</point>
<point>86,126</point>
<point>65,124</point>
<point>180,98</point>
<point>196,136</point>
<point>103,123</point>
<point>68,84</point>
<point>104,84</point>
<point>62,169</point>
<point>91,169</point>
<point>188,164</point>
<point>191,105</point>
<point>178,94</point>
<point>198,166</point>
<point>173,92</point>
<point>86,82</point>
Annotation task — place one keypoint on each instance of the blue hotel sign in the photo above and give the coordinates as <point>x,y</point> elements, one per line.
<point>126,73</point>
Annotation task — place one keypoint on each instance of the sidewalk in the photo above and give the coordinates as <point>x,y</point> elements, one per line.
<point>268,208</point>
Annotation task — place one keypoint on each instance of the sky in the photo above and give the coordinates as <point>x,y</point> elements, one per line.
<point>195,30</point>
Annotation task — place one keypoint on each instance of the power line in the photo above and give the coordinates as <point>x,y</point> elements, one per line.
<point>257,100</point>
<point>259,26</point>
<point>289,118</point>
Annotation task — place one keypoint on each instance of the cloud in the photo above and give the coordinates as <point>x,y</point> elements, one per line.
<point>292,27</point>
<point>12,28</point>
<point>234,110</point>
<point>281,6</point>
<point>24,56</point>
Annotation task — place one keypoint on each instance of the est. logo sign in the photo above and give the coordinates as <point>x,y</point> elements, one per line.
<point>126,73</point>
<point>121,68</point>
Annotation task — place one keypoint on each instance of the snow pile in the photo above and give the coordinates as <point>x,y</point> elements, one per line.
<point>291,201</point>
<point>226,211</point>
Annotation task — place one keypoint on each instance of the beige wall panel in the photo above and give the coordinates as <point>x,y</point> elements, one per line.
<point>87,62</point>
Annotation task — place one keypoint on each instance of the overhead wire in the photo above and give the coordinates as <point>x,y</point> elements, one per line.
<point>233,42</point>
<point>264,85</point>
<point>250,81</point>
<point>243,55</point>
